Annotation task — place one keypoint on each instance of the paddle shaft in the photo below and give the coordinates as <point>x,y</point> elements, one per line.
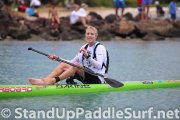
<point>64,61</point>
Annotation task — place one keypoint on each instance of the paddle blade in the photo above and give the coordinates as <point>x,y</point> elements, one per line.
<point>113,83</point>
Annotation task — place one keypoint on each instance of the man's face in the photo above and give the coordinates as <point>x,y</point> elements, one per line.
<point>90,36</point>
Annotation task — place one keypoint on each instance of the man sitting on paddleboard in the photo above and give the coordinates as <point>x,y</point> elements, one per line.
<point>84,58</point>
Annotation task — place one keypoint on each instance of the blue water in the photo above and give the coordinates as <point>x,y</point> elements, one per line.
<point>129,61</point>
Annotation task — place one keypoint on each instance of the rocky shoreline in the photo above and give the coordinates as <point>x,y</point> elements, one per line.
<point>22,29</point>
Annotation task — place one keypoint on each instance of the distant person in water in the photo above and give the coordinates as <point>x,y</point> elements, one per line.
<point>159,10</point>
<point>84,58</point>
<point>173,9</point>
<point>119,4</point>
<point>54,17</point>
<point>145,9</point>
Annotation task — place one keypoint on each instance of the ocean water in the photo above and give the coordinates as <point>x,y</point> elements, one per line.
<point>131,60</point>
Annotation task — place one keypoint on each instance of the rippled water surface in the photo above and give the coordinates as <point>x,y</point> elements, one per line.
<point>129,61</point>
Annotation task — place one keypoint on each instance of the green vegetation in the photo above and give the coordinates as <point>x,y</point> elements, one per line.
<point>107,3</point>
<point>129,3</point>
<point>99,3</point>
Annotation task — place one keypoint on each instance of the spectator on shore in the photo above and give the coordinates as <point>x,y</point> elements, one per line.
<point>35,3</point>
<point>30,11</point>
<point>145,11</point>
<point>139,7</point>
<point>119,4</point>
<point>54,17</point>
<point>173,9</point>
<point>22,6</point>
<point>79,14</point>
<point>159,10</point>
<point>68,4</point>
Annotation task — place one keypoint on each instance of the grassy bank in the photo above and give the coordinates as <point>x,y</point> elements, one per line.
<point>129,3</point>
<point>107,3</point>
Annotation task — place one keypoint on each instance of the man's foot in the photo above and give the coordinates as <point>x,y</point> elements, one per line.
<point>41,81</point>
<point>35,81</point>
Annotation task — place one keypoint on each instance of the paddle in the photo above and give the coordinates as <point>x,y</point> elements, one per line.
<point>111,82</point>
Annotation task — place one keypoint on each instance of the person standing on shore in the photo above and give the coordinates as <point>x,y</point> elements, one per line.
<point>145,9</point>
<point>173,9</point>
<point>139,7</point>
<point>54,17</point>
<point>119,4</point>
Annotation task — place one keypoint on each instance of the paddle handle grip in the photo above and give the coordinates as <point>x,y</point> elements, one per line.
<point>38,52</point>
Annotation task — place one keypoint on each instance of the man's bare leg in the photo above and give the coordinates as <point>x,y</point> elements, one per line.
<point>83,21</point>
<point>122,12</point>
<point>147,13</point>
<point>59,70</point>
<point>63,71</point>
<point>143,13</point>
<point>68,72</point>
<point>71,72</point>
<point>56,72</point>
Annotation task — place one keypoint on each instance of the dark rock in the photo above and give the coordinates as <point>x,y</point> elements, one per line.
<point>1,4</point>
<point>128,16</point>
<point>95,16</point>
<point>124,28</point>
<point>104,35</point>
<point>41,22</point>
<point>71,35</point>
<point>110,18</point>
<point>5,18</point>
<point>51,35</point>
<point>152,36</point>
<point>54,33</point>
<point>176,24</point>
<point>65,24</point>
<point>76,35</point>
<point>174,32</point>
<point>159,27</point>
<point>20,35</point>
<point>138,33</point>
<point>8,2</point>
<point>3,35</point>
<point>78,27</point>
<point>97,23</point>
<point>137,17</point>
<point>66,36</point>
